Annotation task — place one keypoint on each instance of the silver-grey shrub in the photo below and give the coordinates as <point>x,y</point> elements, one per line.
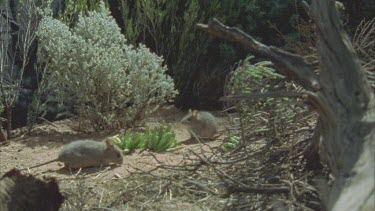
<point>91,67</point>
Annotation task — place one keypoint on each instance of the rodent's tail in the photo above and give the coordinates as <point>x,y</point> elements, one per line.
<point>42,164</point>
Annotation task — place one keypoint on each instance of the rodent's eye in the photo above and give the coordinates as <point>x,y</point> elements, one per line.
<point>118,155</point>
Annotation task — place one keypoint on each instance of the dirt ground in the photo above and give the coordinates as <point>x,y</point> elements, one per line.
<point>46,141</point>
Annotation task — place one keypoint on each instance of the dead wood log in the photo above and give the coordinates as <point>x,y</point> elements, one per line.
<point>342,96</point>
<point>25,192</point>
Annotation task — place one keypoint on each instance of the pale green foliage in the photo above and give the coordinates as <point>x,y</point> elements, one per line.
<point>158,139</point>
<point>92,68</point>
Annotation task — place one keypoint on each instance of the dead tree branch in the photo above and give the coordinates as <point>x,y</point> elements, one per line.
<point>341,95</point>
<point>292,66</point>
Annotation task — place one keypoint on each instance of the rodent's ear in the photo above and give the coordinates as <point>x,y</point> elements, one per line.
<point>197,115</point>
<point>109,143</point>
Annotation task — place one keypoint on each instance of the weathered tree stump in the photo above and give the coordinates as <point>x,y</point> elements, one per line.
<point>24,192</point>
<point>340,93</point>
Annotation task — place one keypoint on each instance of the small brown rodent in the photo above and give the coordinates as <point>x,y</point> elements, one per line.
<point>202,123</point>
<point>87,153</point>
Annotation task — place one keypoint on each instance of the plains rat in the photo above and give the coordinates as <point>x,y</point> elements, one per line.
<point>87,153</point>
<point>202,123</point>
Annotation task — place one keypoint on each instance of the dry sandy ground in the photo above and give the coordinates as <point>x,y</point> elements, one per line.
<point>47,140</point>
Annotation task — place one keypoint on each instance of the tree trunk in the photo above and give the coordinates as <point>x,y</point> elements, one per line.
<point>349,127</point>
<point>3,138</point>
<point>8,112</point>
<point>342,96</point>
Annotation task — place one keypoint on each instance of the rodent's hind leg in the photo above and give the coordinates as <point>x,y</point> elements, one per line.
<point>66,167</point>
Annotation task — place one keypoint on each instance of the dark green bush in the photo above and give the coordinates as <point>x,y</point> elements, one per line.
<point>200,64</point>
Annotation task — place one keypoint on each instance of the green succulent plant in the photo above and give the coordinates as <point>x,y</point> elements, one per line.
<point>161,138</point>
<point>130,141</point>
<point>232,143</point>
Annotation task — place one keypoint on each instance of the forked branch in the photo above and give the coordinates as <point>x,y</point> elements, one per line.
<point>291,65</point>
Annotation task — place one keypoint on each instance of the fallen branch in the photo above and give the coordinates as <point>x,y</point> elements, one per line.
<point>201,186</point>
<point>263,190</point>
<point>257,96</point>
<point>48,122</point>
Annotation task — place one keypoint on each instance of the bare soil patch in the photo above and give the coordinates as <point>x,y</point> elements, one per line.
<point>46,141</point>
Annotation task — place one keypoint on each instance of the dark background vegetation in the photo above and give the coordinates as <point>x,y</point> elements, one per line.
<point>198,63</point>
<point>278,143</point>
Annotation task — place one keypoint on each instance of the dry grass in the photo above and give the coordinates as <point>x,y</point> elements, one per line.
<point>364,45</point>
